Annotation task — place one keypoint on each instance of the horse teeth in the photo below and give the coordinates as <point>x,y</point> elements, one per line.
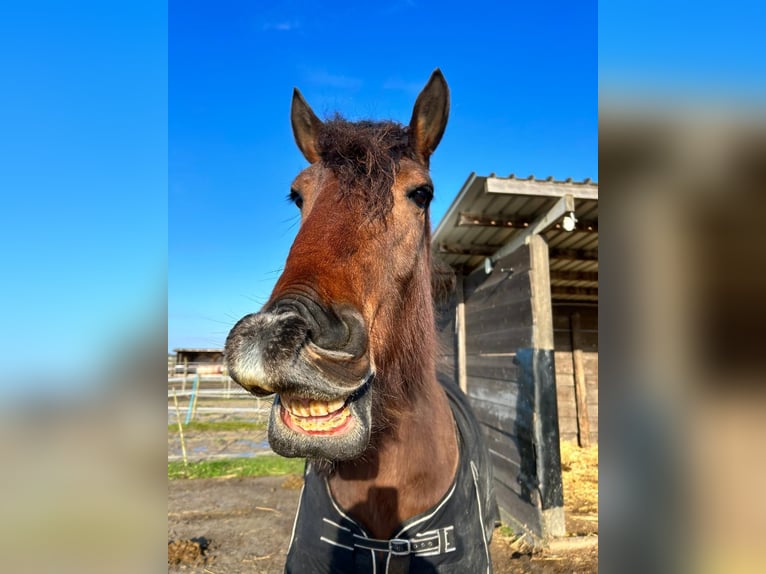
<point>306,408</point>
<point>335,405</point>
<point>318,409</point>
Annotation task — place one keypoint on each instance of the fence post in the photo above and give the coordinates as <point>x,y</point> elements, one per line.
<point>192,399</point>
<point>581,397</point>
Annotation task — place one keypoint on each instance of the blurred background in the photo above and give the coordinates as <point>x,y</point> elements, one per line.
<point>682,162</point>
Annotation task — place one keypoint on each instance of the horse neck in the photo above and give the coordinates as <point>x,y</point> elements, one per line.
<point>413,457</point>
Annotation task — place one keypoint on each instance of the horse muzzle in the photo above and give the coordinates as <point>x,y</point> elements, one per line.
<point>297,347</point>
<point>317,362</point>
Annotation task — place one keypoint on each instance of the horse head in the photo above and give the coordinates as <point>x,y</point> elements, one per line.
<point>348,330</point>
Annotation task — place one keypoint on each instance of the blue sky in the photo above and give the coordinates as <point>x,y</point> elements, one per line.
<point>523,80</point>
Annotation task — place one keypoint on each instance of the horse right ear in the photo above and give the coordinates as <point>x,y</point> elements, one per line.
<point>429,118</point>
<point>306,127</point>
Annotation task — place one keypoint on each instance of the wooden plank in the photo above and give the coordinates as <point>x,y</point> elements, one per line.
<point>564,364</point>
<point>497,419</point>
<point>503,314</point>
<point>593,415</point>
<point>573,254</point>
<point>460,334</point>
<point>583,293</point>
<point>570,418</point>
<point>455,249</point>
<point>565,389</point>
<point>509,307</point>
<point>514,509</point>
<point>561,314</point>
<point>492,367</point>
<point>539,188</point>
<point>567,410</point>
<point>542,223</point>
<point>562,341</point>
<point>518,262</point>
<point>493,391</point>
<point>590,362</point>
<point>481,220</point>
<point>568,435</point>
<point>537,370</point>
<point>547,437</point>
<point>512,288</point>
<point>504,341</point>
<point>511,474</point>
<point>540,284</point>
<point>568,429</point>
<point>583,421</point>
<point>508,444</point>
<point>564,381</point>
<point>589,276</point>
<point>516,419</point>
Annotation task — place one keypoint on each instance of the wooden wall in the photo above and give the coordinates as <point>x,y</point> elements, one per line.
<point>509,372</point>
<point>567,344</point>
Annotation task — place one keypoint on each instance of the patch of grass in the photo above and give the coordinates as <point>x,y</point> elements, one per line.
<point>200,426</point>
<point>506,531</point>
<point>265,465</point>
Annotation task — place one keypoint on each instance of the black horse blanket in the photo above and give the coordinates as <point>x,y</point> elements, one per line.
<point>452,537</point>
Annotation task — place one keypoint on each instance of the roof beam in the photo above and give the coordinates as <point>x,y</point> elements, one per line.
<point>475,219</point>
<point>486,250</point>
<point>590,293</point>
<point>589,276</point>
<point>563,206</point>
<point>454,249</point>
<point>573,254</point>
<point>515,186</point>
<point>478,220</point>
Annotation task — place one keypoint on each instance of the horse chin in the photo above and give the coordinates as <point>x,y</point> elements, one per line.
<point>341,434</point>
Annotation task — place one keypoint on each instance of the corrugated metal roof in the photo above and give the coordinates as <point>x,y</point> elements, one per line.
<point>489,212</point>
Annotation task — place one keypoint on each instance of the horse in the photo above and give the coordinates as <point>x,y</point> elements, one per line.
<point>397,478</point>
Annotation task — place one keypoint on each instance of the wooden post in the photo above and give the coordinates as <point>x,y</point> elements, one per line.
<point>581,397</point>
<point>462,371</point>
<point>546,419</point>
<point>181,433</point>
<point>186,370</point>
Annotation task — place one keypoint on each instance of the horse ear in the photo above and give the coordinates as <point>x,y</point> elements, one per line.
<point>306,127</point>
<point>429,117</point>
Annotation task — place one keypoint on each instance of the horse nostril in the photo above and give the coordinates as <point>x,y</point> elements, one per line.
<point>340,329</point>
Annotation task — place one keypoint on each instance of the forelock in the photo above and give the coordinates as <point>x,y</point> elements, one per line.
<point>364,156</point>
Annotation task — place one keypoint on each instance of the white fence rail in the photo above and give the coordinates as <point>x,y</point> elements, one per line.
<point>199,396</point>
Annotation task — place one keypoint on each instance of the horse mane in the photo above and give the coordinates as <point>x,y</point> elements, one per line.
<point>365,156</point>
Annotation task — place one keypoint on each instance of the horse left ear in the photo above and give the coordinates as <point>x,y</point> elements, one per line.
<point>306,127</point>
<point>429,117</point>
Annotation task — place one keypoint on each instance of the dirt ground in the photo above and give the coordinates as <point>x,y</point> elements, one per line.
<point>238,525</point>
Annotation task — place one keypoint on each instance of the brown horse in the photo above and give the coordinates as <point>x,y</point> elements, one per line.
<point>347,341</point>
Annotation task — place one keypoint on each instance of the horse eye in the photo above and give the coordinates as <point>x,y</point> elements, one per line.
<point>295,198</point>
<point>421,196</point>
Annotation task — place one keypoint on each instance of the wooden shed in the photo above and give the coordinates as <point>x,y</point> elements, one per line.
<point>520,331</point>
<point>199,361</point>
